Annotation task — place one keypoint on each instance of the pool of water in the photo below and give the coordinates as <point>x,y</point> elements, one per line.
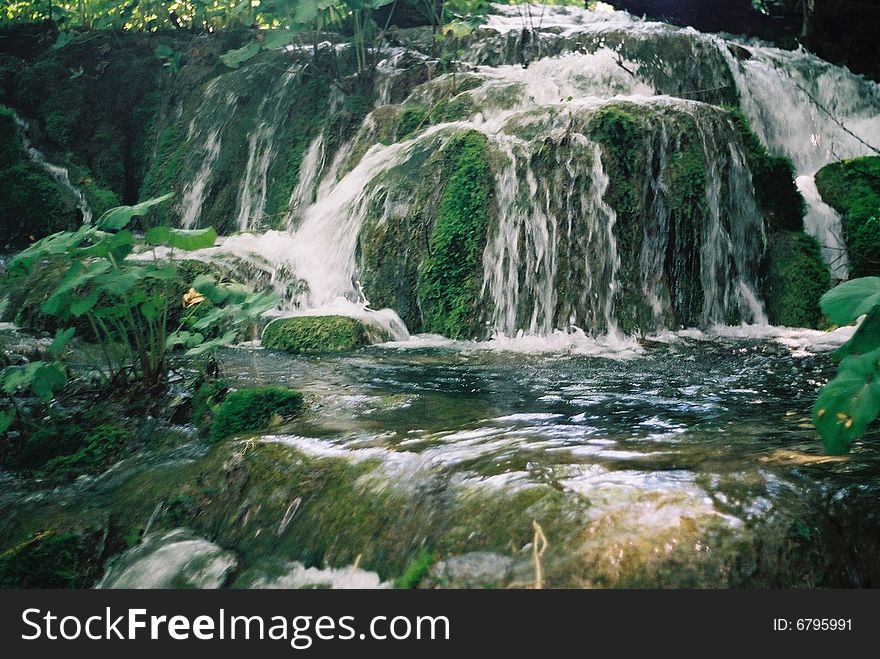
<point>684,460</point>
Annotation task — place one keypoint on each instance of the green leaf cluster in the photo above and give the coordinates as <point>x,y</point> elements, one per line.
<point>130,301</point>
<point>850,402</point>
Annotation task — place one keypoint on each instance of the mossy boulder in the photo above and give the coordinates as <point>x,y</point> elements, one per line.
<point>317,334</point>
<point>31,203</point>
<point>255,409</point>
<point>795,278</point>
<point>852,188</point>
<point>52,559</point>
<point>774,179</point>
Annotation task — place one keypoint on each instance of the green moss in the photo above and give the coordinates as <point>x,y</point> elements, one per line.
<point>620,130</point>
<point>205,401</point>
<point>315,334</point>
<point>411,119</point>
<point>450,277</point>
<point>852,187</point>
<point>102,446</point>
<point>254,409</point>
<point>796,277</point>
<point>774,180</point>
<point>31,203</point>
<point>47,560</point>
<point>686,205</point>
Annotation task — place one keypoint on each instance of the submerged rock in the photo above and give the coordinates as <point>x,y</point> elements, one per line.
<point>316,334</point>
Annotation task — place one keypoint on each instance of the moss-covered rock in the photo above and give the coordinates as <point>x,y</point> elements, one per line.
<point>451,275</point>
<point>52,559</point>
<point>31,203</point>
<point>774,180</point>
<point>254,409</point>
<point>795,278</point>
<point>852,187</point>
<point>100,448</point>
<point>316,334</point>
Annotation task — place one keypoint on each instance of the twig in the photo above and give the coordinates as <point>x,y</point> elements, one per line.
<point>539,546</point>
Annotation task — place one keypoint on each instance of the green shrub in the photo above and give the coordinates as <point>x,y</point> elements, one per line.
<point>254,409</point>
<point>316,334</point>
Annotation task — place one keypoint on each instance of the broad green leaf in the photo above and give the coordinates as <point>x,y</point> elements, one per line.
<point>227,339</point>
<point>207,286</point>
<point>14,378</point>
<point>119,217</point>
<point>48,379</point>
<point>866,338</point>
<point>62,336</point>
<point>235,58</point>
<point>849,403</point>
<point>64,38</point>
<point>6,419</point>
<point>851,299</point>
<point>163,273</point>
<point>82,306</point>
<point>120,282</point>
<point>186,240</point>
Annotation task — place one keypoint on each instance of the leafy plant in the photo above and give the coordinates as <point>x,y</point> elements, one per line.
<point>127,300</point>
<point>851,401</point>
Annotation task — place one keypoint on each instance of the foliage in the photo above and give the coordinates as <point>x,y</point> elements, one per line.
<point>128,301</point>
<point>796,277</point>
<point>451,276</point>
<point>852,187</point>
<point>315,334</point>
<point>850,402</point>
<point>254,409</point>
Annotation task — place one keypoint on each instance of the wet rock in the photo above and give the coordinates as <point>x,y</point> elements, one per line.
<point>177,559</point>
<point>317,334</point>
<point>479,569</point>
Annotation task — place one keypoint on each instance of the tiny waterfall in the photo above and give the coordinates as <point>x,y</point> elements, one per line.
<point>303,194</point>
<point>261,150</point>
<point>60,174</point>
<point>194,191</point>
<point>552,261</point>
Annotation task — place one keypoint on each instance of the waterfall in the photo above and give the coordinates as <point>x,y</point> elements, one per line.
<point>303,194</point>
<point>552,261</point>
<point>59,174</point>
<point>815,113</point>
<point>562,251</point>
<point>194,191</point>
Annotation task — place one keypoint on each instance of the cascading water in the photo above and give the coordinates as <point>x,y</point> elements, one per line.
<point>58,173</point>
<point>553,258</point>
